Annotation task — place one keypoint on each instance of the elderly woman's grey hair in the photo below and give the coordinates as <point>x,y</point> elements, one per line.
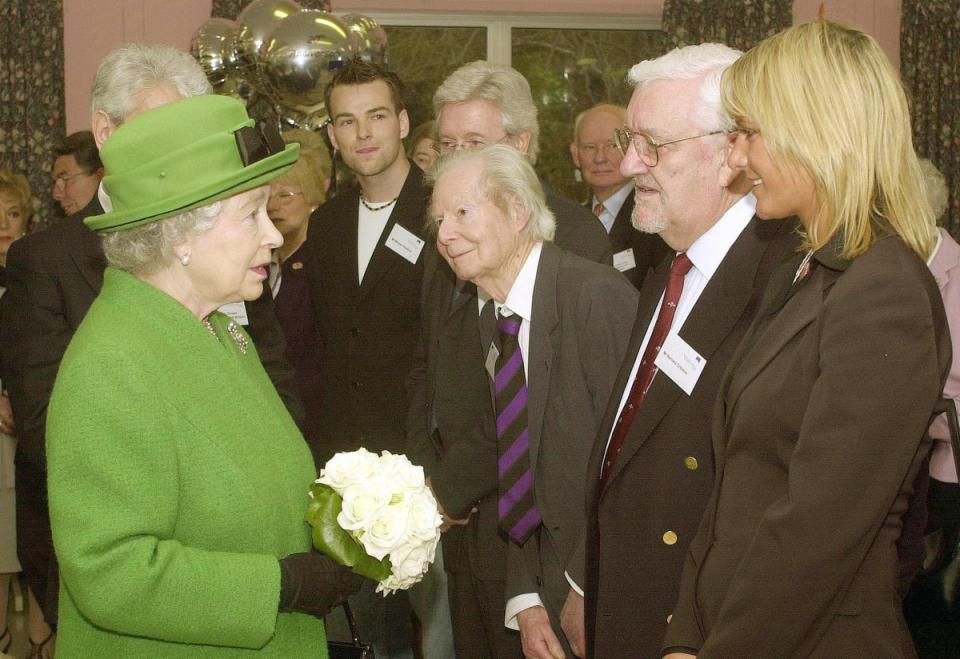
<point>136,67</point>
<point>508,180</point>
<point>707,60</point>
<point>502,86</point>
<point>149,248</point>
<point>936,188</point>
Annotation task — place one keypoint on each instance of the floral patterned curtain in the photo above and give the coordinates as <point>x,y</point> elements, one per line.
<point>736,23</point>
<point>31,94</point>
<point>930,65</point>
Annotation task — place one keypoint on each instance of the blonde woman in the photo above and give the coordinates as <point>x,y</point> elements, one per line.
<point>820,424</point>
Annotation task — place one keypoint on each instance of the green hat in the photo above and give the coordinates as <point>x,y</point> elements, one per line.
<point>184,155</point>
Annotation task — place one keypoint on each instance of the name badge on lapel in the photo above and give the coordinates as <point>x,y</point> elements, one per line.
<point>237,311</point>
<point>491,363</point>
<point>681,363</point>
<point>624,260</point>
<point>404,243</point>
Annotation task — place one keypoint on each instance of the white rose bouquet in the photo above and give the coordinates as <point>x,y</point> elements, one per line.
<point>375,514</point>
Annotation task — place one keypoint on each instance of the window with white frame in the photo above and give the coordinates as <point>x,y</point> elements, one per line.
<point>571,62</point>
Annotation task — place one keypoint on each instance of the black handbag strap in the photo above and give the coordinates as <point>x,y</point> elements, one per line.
<point>352,624</point>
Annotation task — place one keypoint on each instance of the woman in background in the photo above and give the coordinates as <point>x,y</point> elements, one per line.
<point>820,424</point>
<point>422,143</point>
<point>293,198</point>
<point>16,209</point>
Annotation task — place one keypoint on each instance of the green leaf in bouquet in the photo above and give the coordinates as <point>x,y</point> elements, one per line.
<point>330,538</point>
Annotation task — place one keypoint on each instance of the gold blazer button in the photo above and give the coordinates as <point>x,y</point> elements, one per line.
<point>669,538</point>
<point>691,463</point>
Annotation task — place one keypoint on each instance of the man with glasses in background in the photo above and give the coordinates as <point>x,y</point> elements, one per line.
<point>651,470</point>
<point>76,172</point>
<point>595,153</point>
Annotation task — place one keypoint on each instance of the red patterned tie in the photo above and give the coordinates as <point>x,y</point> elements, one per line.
<point>598,209</point>
<point>678,270</point>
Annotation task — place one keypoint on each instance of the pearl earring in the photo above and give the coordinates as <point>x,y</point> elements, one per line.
<point>185,259</point>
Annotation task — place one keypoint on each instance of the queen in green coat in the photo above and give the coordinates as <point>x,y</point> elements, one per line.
<point>177,479</point>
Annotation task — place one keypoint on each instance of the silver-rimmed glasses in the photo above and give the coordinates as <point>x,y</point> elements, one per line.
<point>646,148</point>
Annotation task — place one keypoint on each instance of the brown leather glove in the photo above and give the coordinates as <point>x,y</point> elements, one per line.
<point>314,583</point>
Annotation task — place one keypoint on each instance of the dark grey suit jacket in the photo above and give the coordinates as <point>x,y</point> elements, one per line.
<point>581,319</point>
<point>450,427</point>
<point>663,476</point>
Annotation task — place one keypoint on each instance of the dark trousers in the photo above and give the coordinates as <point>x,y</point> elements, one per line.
<point>477,610</point>
<point>35,540</point>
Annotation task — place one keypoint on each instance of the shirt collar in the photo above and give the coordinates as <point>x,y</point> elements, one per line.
<point>614,202</point>
<point>519,300</point>
<point>709,250</point>
<point>104,199</point>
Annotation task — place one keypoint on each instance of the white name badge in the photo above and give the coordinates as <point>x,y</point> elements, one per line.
<point>492,355</point>
<point>237,311</point>
<point>624,260</point>
<point>404,243</point>
<point>681,363</point>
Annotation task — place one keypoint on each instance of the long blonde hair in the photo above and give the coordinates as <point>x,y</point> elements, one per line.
<point>828,103</point>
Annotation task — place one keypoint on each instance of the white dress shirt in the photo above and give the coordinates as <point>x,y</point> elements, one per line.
<point>520,302</point>
<point>370,226</point>
<point>612,206</point>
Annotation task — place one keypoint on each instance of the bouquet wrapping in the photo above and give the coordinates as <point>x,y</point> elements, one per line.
<point>376,515</point>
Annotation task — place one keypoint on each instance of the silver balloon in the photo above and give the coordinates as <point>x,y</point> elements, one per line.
<point>257,21</point>
<point>367,39</point>
<point>299,58</point>
<point>213,45</point>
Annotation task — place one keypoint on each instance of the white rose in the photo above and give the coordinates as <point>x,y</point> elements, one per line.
<point>345,469</point>
<point>410,562</point>
<point>361,502</point>
<point>399,469</point>
<point>385,530</point>
<point>425,520</point>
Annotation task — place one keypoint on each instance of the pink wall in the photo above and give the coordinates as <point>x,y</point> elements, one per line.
<point>92,28</point>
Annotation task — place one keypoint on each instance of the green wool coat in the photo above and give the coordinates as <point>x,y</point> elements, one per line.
<point>176,481</point>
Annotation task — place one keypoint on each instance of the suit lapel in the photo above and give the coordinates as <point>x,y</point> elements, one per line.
<point>544,332</point>
<point>621,233</point>
<point>716,313</point>
<point>408,213</point>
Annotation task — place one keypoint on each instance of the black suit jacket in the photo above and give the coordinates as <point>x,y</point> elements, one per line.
<point>53,278</point>
<point>663,476</point>
<point>368,331</point>
<point>649,250</point>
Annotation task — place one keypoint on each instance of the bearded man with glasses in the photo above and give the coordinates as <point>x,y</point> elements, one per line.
<point>651,469</point>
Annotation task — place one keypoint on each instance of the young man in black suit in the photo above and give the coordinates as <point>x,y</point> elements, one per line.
<point>364,260</point>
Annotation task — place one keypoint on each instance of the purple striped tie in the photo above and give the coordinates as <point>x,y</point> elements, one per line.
<point>517,512</point>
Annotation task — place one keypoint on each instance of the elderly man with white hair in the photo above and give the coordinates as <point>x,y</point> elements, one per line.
<point>562,323</point>
<point>651,470</point>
